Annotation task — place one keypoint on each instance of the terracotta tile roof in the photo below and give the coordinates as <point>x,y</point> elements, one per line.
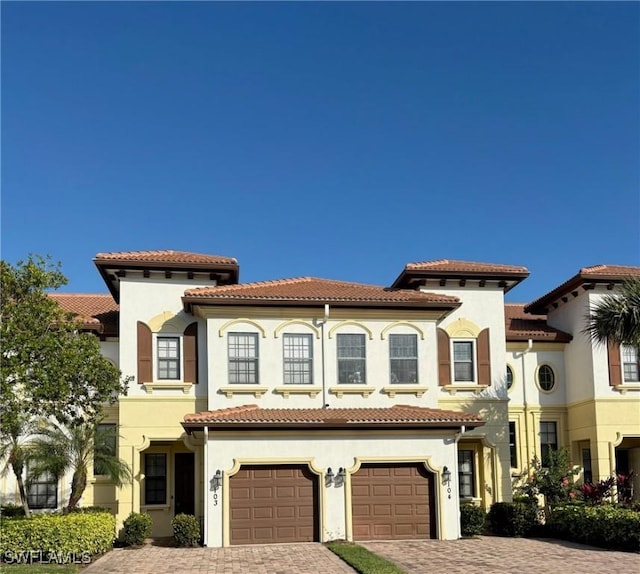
<point>444,269</point>
<point>593,274</point>
<point>457,266</point>
<point>97,312</point>
<point>305,290</point>
<point>341,417</point>
<point>164,256</point>
<point>520,326</point>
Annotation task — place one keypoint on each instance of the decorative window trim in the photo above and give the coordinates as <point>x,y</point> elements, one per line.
<point>364,390</point>
<point>167,386</point>
<point>233,322</point>
<point>342,324</point>
<point>311,390</point>
<point>465,387</point>
<point>242,389</point>
<point>314,330</point>
<point>537,378</point>
<point>383,334</point>
<point>624,387</point>
<point>398,389</point>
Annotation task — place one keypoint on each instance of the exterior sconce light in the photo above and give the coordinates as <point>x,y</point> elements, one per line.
<point>339,478</point>
<point>446,479</point>
<point>328,479</point>
<point>216,481</point>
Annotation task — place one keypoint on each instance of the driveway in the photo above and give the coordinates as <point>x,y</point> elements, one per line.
<point>493,555</point>
<point>486,555</point>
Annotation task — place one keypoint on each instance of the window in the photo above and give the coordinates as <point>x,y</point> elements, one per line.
<point>586,465</point>
<point>509,377</point>
<point>548,440</point>
<point>630,364</point>
<point>168,349</point>
<point>155,478</point>
<point>298,359</point>
<point>42,492</point>
<point>403,354</point>
<point>546,378</point>
<point>351,359</point>
<point>463,363</point>
<point>105,444</point>
<point>466,473</point>
<point>513,446</point>
<point>243,358</point>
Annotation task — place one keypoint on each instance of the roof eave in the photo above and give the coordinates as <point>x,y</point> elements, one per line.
<point>402,279</point>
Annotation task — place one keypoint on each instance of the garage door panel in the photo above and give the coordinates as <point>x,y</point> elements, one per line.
<point>394,501</point>
<point>276,504</point>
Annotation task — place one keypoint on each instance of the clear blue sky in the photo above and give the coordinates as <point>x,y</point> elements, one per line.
<point>338,140</point>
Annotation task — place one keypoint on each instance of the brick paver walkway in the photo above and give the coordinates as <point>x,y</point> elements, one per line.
<point>308,558</point>
<point>486,555</point>
<point>493,555</point>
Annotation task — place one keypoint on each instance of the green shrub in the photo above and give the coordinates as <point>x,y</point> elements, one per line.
<point>186,530</point>
<point>513,518</point>
<point>11,510</point>
<point>91,509</point>
<point>137,527</point>
<point>472,519</point>
<point>607,525</point>
<point>73,533</point>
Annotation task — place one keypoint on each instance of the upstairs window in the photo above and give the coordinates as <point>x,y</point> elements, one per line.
<point>168,353</point>
<point>351,359</point>
<point>509,377</point>
<point>298,359</point>
<point>403,355</point>
<point>546,378</point>
<point>243,358</point>
<point>630,364</point>
<point>463,361</point>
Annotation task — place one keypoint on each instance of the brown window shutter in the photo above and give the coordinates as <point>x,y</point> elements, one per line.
<point>444,358</point>
<point>484,358</point>
<point>145,354</point>
<point>615,366</point>
<point>190,346</point>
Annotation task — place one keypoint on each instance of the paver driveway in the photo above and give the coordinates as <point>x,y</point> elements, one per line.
<point>486,555</point>
<point>493,555</point>
<point>307,558</point>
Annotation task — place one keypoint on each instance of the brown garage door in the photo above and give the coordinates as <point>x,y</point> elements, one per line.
<point>273,504</point>
<point>393,502</point>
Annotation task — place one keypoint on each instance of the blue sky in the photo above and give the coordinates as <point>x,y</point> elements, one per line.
<point>338,140</point>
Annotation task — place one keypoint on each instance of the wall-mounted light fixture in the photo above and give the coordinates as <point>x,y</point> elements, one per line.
<point>216,481</point>
<point>328,478</point>
<point>339,478</point>
<point>446,479</point>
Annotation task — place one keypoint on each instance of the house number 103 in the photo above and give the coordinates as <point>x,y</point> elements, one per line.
<point>215,499</point>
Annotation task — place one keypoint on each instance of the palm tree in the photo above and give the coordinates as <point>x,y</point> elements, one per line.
<point>15,454</point>
<point>57,450</point>
<point>616,317</point>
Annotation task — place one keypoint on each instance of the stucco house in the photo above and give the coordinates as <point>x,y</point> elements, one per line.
<point>310,409</point>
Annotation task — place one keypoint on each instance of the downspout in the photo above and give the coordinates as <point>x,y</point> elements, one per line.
<point>205,502</point>
<point>526,404</point>
<point>324,381</point>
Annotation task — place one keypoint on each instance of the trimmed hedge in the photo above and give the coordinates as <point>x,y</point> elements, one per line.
<point>73,533</point>
<point>513,518</point>
<point>186,530</point>
<point>607,526</point>
<point>472,519</point>
<point>137,527</point>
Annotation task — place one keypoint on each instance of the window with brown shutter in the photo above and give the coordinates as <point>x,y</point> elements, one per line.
<point>145,354</point>
<point>190,347</point>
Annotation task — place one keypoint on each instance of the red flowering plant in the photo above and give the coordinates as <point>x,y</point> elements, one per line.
<point>596,493</point>
<point>624,484</point>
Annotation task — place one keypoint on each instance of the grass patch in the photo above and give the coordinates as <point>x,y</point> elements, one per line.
<point>363,560</point>
<point>39,569</point>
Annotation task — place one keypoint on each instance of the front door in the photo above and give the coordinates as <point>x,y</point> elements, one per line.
<point>184,480</point>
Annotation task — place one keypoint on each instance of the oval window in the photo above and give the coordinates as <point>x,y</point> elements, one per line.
<point>509,377</point>
<point>546,378</point>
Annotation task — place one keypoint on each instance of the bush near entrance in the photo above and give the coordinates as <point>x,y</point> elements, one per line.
<point>186,530</point>
<point>137,527</point>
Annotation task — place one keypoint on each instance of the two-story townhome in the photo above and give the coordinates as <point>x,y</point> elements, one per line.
<point>310,409</point>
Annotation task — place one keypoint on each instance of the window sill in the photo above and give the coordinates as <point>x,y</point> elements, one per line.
<point>364,390</point>
<point>453,389</point>
<point>167,386</point>
<point>624,387</point>
<point>256,390</point>
<point>471,500</point>
<point>310,390</point>
<point>147,507</point>
<point>393,390</point>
